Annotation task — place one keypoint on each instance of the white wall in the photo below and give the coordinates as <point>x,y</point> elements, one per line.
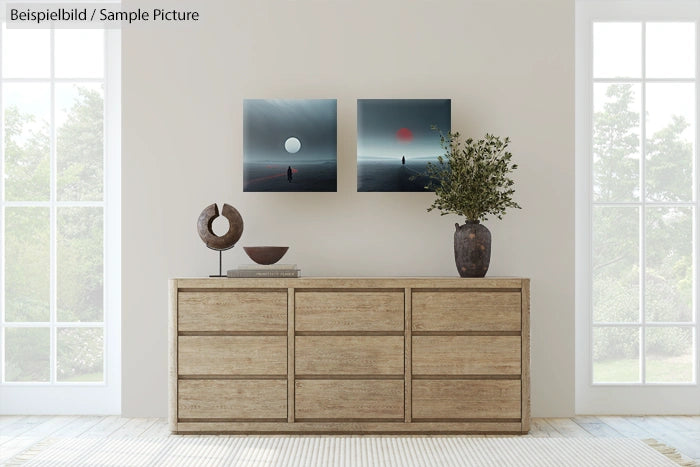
<point>508,67</point>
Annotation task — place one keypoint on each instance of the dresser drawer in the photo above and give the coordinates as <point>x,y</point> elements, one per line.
<point>349,311</point>
<point>466,355</point>
<point>232,399</point>
<point>349,399</point>
<point>349,355</point>
<point>452,399</point>
<point>232,311</point>
<point>232,355</point>
<point>465,311</point>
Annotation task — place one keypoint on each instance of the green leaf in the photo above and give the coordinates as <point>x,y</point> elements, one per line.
<point>472,178</point>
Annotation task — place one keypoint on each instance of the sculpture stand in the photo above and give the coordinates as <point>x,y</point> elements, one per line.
<point>220,271</point>
<point>221,251</point>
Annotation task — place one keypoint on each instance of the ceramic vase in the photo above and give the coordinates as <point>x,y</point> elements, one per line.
<point>472,249</point>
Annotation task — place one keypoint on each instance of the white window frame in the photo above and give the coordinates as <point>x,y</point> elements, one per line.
<point>636,398</point>
<point>78,398</point>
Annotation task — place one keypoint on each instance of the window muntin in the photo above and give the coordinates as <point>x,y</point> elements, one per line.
<point>643,202</point>
<point>53,206</point>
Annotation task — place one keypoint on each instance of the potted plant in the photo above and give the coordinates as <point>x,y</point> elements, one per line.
<point>472,180</point>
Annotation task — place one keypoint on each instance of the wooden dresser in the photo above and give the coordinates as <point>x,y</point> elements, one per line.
<point>341,355</point>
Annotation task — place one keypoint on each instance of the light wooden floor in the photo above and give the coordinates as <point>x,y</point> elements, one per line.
<point>18,433</point>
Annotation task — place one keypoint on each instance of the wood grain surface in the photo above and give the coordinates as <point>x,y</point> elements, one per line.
<point>350,428</point>
<point>348,355</point>
<point>525,355</point>
<point>466,355</point>
<point>232,355</point>
<point>408,353</point>
<point>232,311</point>
<point>349,311</point>
<point>466,311</point>
<point>187,284</point>
<point>349,399</point>
<point>212,399</point>
<point>290,355</point>
<point>471,399</point>
<point>172,355</point>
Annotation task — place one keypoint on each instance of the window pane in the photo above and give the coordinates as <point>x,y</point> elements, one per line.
<point>670,50</point>
<point>79,264</point>
<point>79,142</point>
<point>27,264</point>
<point>617,50</point>
<point>669,267</point>
<point>616,355</point>
<point>615,264</point>
<point>27,354</point>
<point>669,355</point>
<point>616,142</point>
<point>79,53</point>
<point>20,44</point>
<point>26,117</point>
<point>79,354</point>
<point>670,139</point>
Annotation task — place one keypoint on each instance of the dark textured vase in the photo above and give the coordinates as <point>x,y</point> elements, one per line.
<point>472,249</point>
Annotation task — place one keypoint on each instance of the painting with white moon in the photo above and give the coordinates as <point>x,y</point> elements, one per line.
<point>290,144</point>
<point>395,142</point>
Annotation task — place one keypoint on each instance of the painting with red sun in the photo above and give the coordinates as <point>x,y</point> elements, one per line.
<point>395,142</point>
<point>404,134</point>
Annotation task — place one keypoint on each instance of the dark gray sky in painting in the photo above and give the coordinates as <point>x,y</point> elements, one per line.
<point>267,123</point>
<point>378,120</point>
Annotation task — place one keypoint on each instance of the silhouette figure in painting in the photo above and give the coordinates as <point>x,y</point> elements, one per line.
<point>403,160</point>
<point>289,174</point>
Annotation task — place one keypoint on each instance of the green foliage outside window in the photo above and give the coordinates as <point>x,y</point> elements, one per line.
<point>616,268</point>
<point>79,241</point>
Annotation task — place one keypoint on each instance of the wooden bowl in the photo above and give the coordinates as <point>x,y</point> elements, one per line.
<point>265,254</point>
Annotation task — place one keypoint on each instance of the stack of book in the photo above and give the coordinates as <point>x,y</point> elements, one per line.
<point>260,270</point>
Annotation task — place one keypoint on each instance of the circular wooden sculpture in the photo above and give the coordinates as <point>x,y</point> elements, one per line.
<point>235,227</point>
<point>226,241</point>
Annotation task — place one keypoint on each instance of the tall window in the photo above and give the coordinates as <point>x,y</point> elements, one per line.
<point>637,118</point>
<point>59,219</point>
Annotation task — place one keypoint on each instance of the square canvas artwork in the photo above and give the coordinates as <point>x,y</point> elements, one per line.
<point>395,142</point>
<point>289,144</point>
